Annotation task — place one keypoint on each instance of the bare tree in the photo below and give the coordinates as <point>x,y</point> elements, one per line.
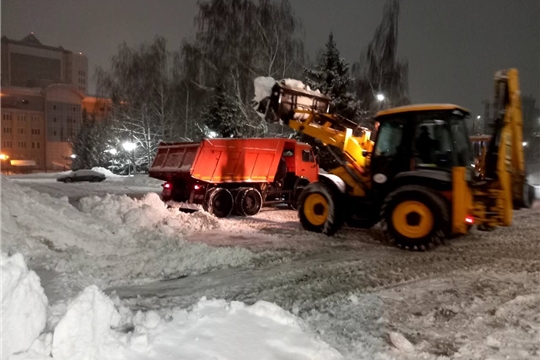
<point>379,71</point>
<point>238,40</point>
<point>139,84</point>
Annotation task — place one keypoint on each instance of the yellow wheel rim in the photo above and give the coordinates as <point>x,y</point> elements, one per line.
<point>412,219</point>
<point>316,209</point>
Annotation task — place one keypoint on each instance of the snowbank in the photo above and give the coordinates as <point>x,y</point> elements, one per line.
<point>217,329</point>
<point>149,212</point>
<point>139,180</point>
<point>117,241</point>
<point>94,327</point>
<point>24,306</point>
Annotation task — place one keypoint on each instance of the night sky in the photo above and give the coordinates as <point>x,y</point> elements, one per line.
<point>453,46</point>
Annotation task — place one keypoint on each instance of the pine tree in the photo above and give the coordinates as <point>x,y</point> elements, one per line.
<point>331,77</point>
<point>222,116</point>
<point>91,143</point>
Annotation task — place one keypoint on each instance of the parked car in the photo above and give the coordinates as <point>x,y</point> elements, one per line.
<point>81,175</point>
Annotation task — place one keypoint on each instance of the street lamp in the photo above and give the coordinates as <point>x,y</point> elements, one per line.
<point>524,143</point>
<point>129,147</point>
<point>73,156</point>
<point>380,97</point>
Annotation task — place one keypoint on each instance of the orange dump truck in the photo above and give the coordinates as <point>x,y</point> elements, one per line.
<point>234,175</point>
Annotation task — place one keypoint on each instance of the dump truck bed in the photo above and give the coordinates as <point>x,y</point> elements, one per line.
<point>220,160</point>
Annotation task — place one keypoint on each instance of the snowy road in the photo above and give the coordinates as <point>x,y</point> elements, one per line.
<point>331,281</point>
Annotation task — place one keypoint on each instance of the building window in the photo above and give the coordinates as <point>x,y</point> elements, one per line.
<point>21,131</point>
<point>54,120</point>
<point>22,144</point>
<point>54,132</point>
<point>7,130</point>
<point>33,145</point>
<point>24,101</point>
<point>6,116</point>
<point>54,107</point>
<point>8,144</point>
<point>38,145</point>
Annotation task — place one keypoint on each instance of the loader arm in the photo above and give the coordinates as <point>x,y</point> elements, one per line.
<point>306,111</point>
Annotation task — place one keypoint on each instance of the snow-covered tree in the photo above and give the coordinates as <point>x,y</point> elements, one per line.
<point>331,77</point>
<point>222,116</point>
<point>92,143</point>
<point>236,41</point>
<point>144,101</point>
<point>379,71</point>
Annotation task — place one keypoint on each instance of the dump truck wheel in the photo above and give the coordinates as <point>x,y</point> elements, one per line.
<point>415,218</point>
<point>219,202</point>
<point>248,202</point>
<point>295,196</point>
<point>319,209</point>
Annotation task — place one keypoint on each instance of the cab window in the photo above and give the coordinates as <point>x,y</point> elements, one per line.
<point>307,156</point>
<point>389,136</point>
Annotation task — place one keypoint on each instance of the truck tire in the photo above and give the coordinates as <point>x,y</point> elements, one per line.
<point>415,218</point>
<point>248,201</point>
<point>297,191</point>
<point>219,202</point>
<point>319,209</point>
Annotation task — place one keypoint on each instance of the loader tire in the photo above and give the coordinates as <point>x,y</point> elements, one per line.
<point>415,218</point>
<point>248,202</point>
<point>219,202</point>
<point>319,209</point>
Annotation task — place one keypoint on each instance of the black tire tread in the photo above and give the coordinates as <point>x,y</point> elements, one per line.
<point>441,221</point>
<point>335,219</point>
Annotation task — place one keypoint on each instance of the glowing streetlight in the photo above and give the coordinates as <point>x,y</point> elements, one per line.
<point>129,147</point>
<point>380,97</point>
<point>524,143</point>
<point>4,157</point>
<point>478,117</point>
<point>112,151</point>
<point>212,134</point>
<point>73,156</point>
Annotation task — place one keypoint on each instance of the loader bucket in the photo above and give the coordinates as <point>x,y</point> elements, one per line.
<point>285,99</point>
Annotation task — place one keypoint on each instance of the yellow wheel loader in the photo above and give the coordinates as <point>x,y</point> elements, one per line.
<point>414,173</point>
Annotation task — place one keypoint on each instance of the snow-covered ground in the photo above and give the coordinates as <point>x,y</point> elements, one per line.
<point>125,277</point>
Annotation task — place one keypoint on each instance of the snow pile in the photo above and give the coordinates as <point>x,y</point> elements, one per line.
<point>218,329</point>
<point>263,87</point>
<point>85,330</point>
<point>110,249</point>
<point>94,327</point>
<point>149,212</point>
<point>105,172</point>
<point>24,306</point>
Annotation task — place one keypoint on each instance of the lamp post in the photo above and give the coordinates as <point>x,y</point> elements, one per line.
<point>129,147</point>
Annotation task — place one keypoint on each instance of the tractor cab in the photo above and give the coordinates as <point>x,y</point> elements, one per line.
<point>420,141</point>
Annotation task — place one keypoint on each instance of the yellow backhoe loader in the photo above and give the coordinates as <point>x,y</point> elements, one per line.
<point>415,172</point>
